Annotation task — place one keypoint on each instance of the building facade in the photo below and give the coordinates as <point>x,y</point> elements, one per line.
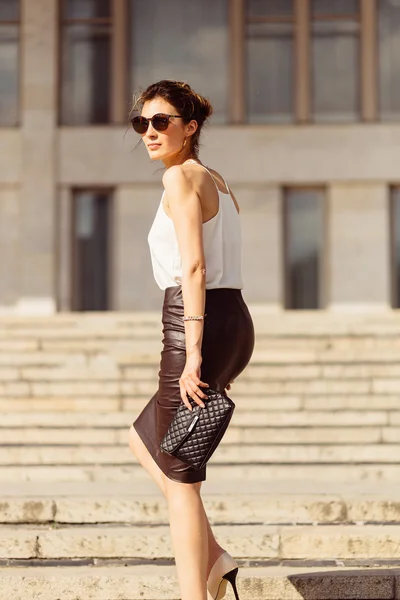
<point>306,130</point>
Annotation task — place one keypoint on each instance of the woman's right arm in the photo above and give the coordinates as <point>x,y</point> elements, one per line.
<point>185,207</point>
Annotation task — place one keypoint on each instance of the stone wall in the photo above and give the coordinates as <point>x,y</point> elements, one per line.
<point>40,163</point>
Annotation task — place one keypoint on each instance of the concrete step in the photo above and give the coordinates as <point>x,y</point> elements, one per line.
<point>350,320</point>
<point>234,435</point>
<point>149,582</point>
<point>216,471</point>
<point>254,374</point>
<point>280,542</point>
<point>98,404</point>
<point>129,404</point>
<point>240,418</point>
<point>141,502</point>
<point>225,454</point>
<point>92,351</point>
<point>119,387</point>
<point>111,332</point>
<point>113,367</point>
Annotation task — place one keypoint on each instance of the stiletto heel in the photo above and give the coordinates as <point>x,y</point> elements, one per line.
<point>231,577</point>
<point>216,584</point>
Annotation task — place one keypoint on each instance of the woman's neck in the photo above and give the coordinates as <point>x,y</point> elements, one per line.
<point>173,161</point>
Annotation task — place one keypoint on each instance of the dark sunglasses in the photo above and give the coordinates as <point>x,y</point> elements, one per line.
<point>159,121</point>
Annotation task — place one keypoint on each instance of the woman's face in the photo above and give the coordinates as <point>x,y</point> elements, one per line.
<point>163,145</point>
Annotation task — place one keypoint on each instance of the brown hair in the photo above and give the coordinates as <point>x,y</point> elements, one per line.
<point>187,103</point>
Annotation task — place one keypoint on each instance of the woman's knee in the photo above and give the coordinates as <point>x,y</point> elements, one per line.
<point>137,445</point>
<point>144,457</point>
<point>178,493</point>
<point>134,441</point>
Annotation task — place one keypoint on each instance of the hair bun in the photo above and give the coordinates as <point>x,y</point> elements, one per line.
<point>202,108</point>
<point>205,108</point>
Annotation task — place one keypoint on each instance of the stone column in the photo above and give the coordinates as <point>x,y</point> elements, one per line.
<point>262,245</point>
<point>39,60</point>
<point>358,265</point>
<point>64,250</point>
<point>133,283</point>
<point>9,247</point>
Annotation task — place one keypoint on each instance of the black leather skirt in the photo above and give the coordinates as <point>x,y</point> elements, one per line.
<point>228,342</point>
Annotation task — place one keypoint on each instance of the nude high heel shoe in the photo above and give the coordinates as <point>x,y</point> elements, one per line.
<point>223,570</point>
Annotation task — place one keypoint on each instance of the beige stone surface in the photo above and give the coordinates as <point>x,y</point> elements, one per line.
<point>351,541</point>
<point>130,541</point>
<point>135,208</point>
<point>159,583</point>
<point>19,543</point>
<point>57,405</point>
<point>14,389</point>
<point>226,453</point>
<point>297,473</point>
<point>245,541</point>
<point>38,150</point>
<point>80,388</point>
<point>10,156</point>
<point>234,435</point>
<point>352,402</point>
<point>9,374</point>
<point>290,154</point>
<point>260,212</point>
<point>10,214</point>
<point>263,502</point>
<point>242,418</point>
<point>357,259</point>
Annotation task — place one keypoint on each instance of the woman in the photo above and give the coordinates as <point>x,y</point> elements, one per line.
<point>195,248</point>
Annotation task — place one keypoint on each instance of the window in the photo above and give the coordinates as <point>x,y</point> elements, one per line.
<point>258,61</point>
<point>9,62</point>
<point>182,40</point>
<point>86,89</point>
<point>303,220</point>
<point>335,63</point>
<point>270,61</point>
<point>395,245</point>
<point>389,59</point>
<point>91,247</point>
<point>302,61</point>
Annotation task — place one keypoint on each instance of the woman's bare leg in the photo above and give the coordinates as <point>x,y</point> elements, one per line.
<point>146,460</point>
<point>189,538</point>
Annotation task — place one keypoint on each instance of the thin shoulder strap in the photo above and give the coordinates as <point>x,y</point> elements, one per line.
<point>210,174</point>
<point>226,183</point>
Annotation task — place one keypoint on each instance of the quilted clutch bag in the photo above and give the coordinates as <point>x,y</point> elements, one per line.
<point>193,436</point>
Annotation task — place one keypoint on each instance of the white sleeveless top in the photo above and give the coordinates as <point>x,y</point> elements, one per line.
<point>221,241</point>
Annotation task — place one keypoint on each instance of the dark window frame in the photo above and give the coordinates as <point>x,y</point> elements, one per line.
<point>378,116</point>
<point>394,297</point>
<point>302,19</point>
<point>272,19</point>
<point>74,287</point>
<point>330,17</point>
<point>118,92</point>
<point>18,23</point>
<point>322,281</point>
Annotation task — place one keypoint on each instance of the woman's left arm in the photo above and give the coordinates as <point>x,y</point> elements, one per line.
<point>185,207</point>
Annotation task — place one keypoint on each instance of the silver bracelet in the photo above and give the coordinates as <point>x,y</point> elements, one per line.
<point>194,318</point>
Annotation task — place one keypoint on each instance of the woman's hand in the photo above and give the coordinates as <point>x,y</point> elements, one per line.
<point>228,387</point>
<point>190,381</point>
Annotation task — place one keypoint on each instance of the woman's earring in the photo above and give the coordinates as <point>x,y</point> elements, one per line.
<point>184,143</point>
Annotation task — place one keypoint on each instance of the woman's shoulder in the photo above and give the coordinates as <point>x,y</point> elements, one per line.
<point>175,175</point>
<point>200,175</point>
<point>196,177</point>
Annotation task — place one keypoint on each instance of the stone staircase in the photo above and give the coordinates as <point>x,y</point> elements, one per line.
<point>303,489</point>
